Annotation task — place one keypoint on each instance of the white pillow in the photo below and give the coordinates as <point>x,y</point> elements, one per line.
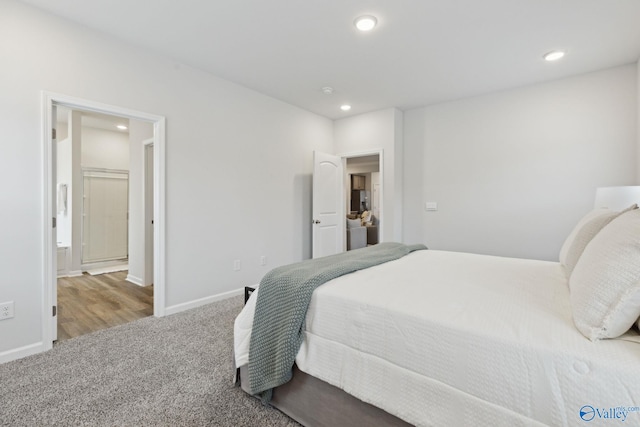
<point>587,231</point>
<point>569,241</point>
<point>605,284</point>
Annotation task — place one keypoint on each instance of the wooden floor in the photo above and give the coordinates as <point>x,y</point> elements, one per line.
<point>90,303</point>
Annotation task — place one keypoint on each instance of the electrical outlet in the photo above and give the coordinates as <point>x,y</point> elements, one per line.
<point>6,310</point>
<point>236,265</point>
<point>263,260</point>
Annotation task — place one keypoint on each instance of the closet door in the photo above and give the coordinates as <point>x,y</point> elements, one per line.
<point>105,216</point>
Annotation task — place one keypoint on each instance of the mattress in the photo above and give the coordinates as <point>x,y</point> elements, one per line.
<point>445,338</point>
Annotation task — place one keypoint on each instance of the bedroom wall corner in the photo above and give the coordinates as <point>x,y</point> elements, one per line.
<point>413,171</point>
<point>398,167</point>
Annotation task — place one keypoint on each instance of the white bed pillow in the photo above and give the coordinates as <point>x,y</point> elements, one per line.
<point>583,236</point>
<point>572,236</point>
<point>605,284</point>
<point>584,231</point>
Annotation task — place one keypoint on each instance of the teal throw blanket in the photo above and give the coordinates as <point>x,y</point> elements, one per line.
<point>281,308</point>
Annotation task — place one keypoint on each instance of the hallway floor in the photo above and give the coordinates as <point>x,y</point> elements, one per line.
<point>89,303</point>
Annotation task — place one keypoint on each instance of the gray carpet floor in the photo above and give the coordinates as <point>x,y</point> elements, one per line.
<point>170,371</point>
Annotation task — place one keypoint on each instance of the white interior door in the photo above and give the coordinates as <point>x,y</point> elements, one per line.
<point>105,216</point>
<point>328,211</point>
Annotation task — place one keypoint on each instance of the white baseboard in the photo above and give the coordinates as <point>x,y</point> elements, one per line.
<point>103,264</point>
<point>19,353</point>
<point>75,273</point>
<point>135,280</point>
<point>112,268</point>
<point>202,301</point>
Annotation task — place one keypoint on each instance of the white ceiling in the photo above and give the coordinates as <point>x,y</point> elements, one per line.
<point>422,52</point>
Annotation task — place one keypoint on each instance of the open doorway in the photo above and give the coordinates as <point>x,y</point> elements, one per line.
<point>118,189</point>
<point>95,156</point>
<point>363,189</point>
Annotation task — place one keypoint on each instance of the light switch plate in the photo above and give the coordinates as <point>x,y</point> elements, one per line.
<point>431,206</point>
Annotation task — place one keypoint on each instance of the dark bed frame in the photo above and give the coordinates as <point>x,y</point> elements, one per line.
<point>315,403</point>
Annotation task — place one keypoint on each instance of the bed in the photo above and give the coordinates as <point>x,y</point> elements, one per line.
<point>439,338</point>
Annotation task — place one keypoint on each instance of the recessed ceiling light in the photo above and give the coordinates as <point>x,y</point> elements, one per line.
<point>365,22</point>
<point>554,55</point>
<point>345,107</point>
<point>122,127</point>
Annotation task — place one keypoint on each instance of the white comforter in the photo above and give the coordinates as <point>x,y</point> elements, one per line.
<point>445,338</point>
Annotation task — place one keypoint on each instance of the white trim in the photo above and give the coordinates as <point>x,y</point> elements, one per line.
<point>135,280</point>
<point>380,153</point>
<point>115,173</point>
<point>67,260</point>
<point>363,153</point>
<point>202,301</point>
<point>48,262</point>
<point>145,212</point>
<point>159,252</point>
<point>49,275</point>
<point>103,264</point>
<point>19,353</point>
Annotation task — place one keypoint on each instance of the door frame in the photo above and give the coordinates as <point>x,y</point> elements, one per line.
<point>380,153</point>
<point>148,174</point>
<point>49,279</point>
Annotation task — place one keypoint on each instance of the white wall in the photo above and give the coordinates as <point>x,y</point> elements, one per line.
<point>358,169</point>
<point>413,175</point>
<point>638,124</point>
<point>138,133</point>
<point>512,172</point>
<point>62,128</point>
<point>378,130</point>
<point>77,199</point>
<point>104,149</point>
<point>99,148</point>
<point>64,176</point>
<point>238,163</point>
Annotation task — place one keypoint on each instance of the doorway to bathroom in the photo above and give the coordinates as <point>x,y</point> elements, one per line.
<point>95,176</point>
